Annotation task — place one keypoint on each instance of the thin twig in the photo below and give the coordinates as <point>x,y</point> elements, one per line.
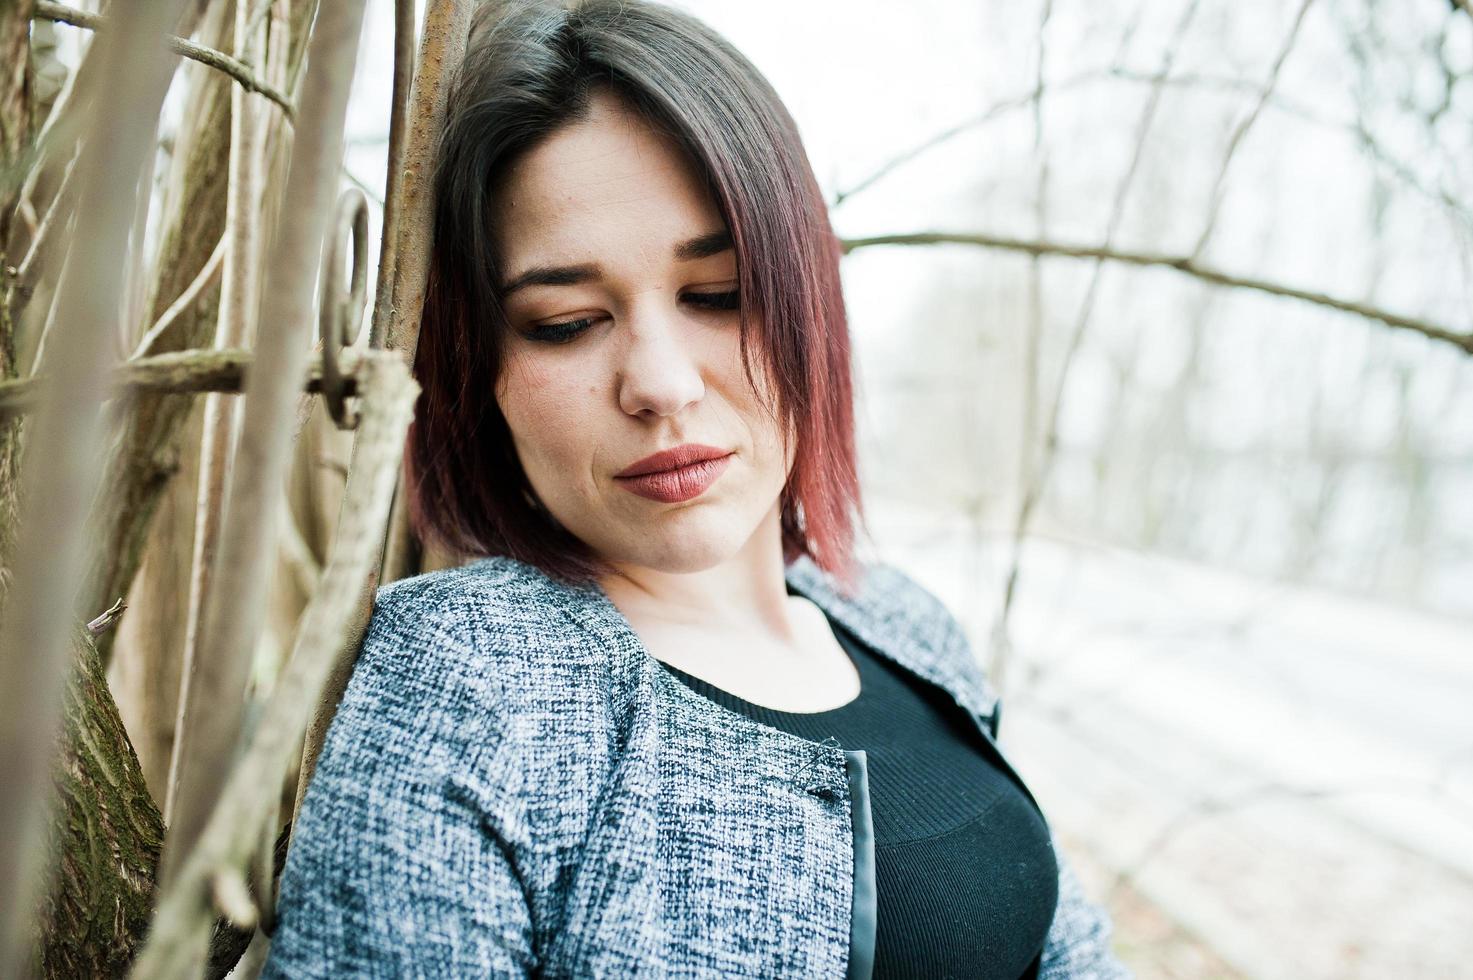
<point>1181,263</point>
<point>1030,98</point>
<point>61,129</point>
<point>1000,654</point>
<point>368,192</point>
<point>1036,480</point>
<point>58,212</point>
<point>218,60</point>
<point>136,262</point>
<point>207,276</point>
<point>108,617</point>
<point>1219,184</point>
<point>389,235</point>
<point>48,322</point>
<point>297,554</point>
<point>1033,99</point>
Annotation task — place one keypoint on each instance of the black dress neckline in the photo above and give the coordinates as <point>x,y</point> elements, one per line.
<point>860,657</point>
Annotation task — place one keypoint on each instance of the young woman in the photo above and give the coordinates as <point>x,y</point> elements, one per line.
<point>666,723</point>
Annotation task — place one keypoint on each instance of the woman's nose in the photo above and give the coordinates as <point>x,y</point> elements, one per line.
<point>659,374</point>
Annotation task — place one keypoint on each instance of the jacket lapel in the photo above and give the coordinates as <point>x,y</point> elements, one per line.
<point>907,625</point>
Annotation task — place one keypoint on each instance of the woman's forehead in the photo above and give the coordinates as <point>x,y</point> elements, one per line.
<point>609,178</point>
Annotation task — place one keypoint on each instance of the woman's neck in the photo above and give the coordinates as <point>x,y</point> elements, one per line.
<point>744,594</point>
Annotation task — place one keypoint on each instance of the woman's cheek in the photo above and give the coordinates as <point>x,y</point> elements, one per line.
<point>562,409</point>
<point>534,389</point>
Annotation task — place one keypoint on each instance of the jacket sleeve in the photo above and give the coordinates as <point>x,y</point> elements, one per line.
<point>395,868</point>
<point>1078,943</point>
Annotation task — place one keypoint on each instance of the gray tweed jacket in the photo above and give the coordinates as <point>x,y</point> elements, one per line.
<point>514,786</point>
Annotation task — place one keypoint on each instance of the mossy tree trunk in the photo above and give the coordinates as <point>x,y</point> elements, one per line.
<point>108,836</point>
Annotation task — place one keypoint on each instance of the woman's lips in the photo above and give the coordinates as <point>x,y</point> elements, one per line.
<point>674,486</point>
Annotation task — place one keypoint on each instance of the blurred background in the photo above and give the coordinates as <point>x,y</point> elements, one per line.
<point>1161,391</point>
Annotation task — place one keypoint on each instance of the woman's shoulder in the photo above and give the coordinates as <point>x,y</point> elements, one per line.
<point>490,605</point>
<point>460,640</point>
<point>491,594</point>
<point>897,592</point>
<point>888,600</point>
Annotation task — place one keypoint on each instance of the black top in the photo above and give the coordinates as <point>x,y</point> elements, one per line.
<point>966,882</point>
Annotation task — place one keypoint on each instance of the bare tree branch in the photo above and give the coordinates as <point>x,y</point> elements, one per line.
<point>389,237</point>
<point>399,550</point>
<point>234,326</point>
<point>206,278</point>
<point>1033,99</point>
<point>1000,642</point>
<point>58,212</point>
<point>1219,184</point>
<point>441,51</point>
<point>399,299</point>
<point>213,700</point>
<point>1461,340</point>
<point>1036,480</point>
<point>236,821</point>
<point>179,373</point>
<point>218,60</point>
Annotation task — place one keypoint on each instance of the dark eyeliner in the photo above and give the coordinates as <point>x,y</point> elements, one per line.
<point>728,300</point>
<point>559,333</point>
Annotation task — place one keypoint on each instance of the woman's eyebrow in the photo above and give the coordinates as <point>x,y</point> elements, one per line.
<point>700,247</point>
<point>704,246</point>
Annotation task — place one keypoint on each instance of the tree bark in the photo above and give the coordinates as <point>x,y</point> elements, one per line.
<point>109,836</point>
<point>15,132</point>
<point>145,666</point>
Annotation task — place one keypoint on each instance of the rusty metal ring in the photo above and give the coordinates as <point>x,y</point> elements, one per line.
<point>340,307</point>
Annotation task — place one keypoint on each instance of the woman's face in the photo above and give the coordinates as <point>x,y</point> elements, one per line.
<point>620,291</point>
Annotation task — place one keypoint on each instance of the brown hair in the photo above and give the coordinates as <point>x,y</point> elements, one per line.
<point>529,70</point>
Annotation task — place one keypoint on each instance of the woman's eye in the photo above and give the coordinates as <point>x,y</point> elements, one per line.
<point>731,300</point>
<point>559,333</point>
<point>562,333</point>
